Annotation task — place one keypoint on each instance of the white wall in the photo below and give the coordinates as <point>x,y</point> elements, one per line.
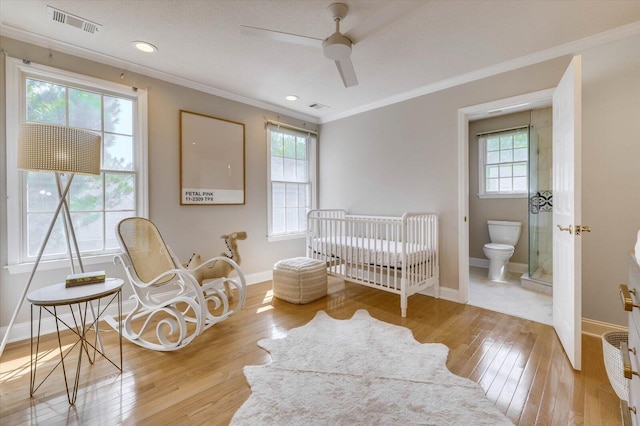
<point>610,174</point>
<point>186,229</point>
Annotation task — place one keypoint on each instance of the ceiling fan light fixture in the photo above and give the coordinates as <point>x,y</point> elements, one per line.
<point>336,47</point>
<point>144,46</point>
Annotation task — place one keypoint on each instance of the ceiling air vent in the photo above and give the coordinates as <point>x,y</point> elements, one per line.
<point>317,105</point>
<point>62,17</point>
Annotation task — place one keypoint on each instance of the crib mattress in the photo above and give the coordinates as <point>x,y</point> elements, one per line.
<point>370,251</point>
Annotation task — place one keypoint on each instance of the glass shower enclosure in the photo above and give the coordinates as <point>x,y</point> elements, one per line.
<point>540,211</point>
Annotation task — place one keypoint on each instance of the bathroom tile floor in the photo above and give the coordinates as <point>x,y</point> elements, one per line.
<point>508,297</point>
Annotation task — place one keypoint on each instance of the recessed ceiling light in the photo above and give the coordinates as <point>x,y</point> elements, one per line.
<point>144,46</point>
<point>292,98</point>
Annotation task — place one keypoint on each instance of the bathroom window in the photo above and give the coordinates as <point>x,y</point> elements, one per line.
<point>503,163</point>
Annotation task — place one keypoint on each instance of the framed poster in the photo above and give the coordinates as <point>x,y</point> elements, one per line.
<point>211,160</point>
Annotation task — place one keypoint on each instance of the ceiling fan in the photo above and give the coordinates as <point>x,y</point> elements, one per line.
<point>337,46</point>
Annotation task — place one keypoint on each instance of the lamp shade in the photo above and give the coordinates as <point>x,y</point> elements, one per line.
<point>47,147</point>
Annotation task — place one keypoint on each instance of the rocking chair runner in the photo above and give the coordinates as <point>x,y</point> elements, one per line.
<point>167,295</point>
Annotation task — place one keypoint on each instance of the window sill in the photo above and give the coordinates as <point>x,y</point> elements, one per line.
<point>48,265</point>
<point>503,195</point>
<point>284,237</point>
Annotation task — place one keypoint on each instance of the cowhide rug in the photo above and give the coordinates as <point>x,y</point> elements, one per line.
<point>360,371</point>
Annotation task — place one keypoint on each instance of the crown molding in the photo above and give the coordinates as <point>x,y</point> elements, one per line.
<point>571,48</point>
<point>81,52</point>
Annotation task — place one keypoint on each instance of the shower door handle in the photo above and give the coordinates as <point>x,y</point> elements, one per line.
<point>568,228</point>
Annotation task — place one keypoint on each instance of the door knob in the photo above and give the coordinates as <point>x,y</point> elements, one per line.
<point>568,228</point>
<point>582,228</point>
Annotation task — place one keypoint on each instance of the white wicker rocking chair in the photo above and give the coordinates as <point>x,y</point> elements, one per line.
<point>167,295</point>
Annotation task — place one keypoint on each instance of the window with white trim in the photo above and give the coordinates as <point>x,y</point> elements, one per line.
<point>503,168</point>
<point>41,94</point>
<point>291,181</point>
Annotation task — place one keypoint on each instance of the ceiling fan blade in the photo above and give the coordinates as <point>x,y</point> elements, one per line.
<point>280,36</point>
<point>348,74</point>
<point>382,18</point>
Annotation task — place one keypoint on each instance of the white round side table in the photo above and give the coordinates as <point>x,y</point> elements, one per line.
<point>84,318</point>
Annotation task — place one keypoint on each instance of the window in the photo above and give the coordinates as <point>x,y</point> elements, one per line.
<point>291,181</point>
<point>503,163</point>
<point>97,203</point>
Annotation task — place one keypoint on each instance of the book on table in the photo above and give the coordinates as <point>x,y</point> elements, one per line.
<point>83,278</point>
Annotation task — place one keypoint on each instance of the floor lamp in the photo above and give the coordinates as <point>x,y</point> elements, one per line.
<point>61,150</point>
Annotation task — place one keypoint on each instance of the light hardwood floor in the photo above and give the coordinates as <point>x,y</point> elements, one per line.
<point>519,363</point>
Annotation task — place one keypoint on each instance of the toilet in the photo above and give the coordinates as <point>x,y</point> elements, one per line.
<point>504,236</point>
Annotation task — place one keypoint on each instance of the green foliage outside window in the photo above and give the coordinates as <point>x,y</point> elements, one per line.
<point>96,202</point>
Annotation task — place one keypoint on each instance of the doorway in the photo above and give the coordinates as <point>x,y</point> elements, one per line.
<point>508,297</point>
<point>510,182</point>
<point>566,100</point>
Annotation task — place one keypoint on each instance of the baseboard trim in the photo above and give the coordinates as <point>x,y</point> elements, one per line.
<point>598,328</point>
<point>22,331</point>
<point>446,293</point>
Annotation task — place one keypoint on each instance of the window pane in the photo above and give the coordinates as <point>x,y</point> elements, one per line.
<point>85,109</point>
<point>111,222</point>
<point>118,115</point>
<point>301,171</point>
<point>89,230</point>
<point>86,193</point>
<point>118,152</point>
<point>289,169</point>
<point>289,146</point>
<point>506,185</point>
<point>303,196</point>
<point>292,220</point>
<point>292,195</point>
<point>42,195</point>
<point>493,157</point>
<point>302,219</point>
<point>301,148</point>
<point>289,163</point>
<point>277,168</point>
<point>520,184</point>
<point>520,169</point>
<point>277,195</point>
<point>46,102</point>
<point>506,156</point>
<point>506,162</point>
<point>120,191</point>
<point>520,154</point>
<point>277,147</point>
<point>37,226</point>
<point>520,140</point>
<point>277,225</point>
<point>493,144</point>
<point>506,142</point>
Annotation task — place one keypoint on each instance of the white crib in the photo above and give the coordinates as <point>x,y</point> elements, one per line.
<point>394,254</point>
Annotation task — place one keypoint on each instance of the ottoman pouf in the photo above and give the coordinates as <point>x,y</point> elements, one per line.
<point>300,280</point>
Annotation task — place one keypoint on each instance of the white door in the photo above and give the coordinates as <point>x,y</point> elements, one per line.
<point>567,254</point>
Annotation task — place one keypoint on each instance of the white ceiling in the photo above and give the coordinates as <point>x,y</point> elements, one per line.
<point>438,44</point>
